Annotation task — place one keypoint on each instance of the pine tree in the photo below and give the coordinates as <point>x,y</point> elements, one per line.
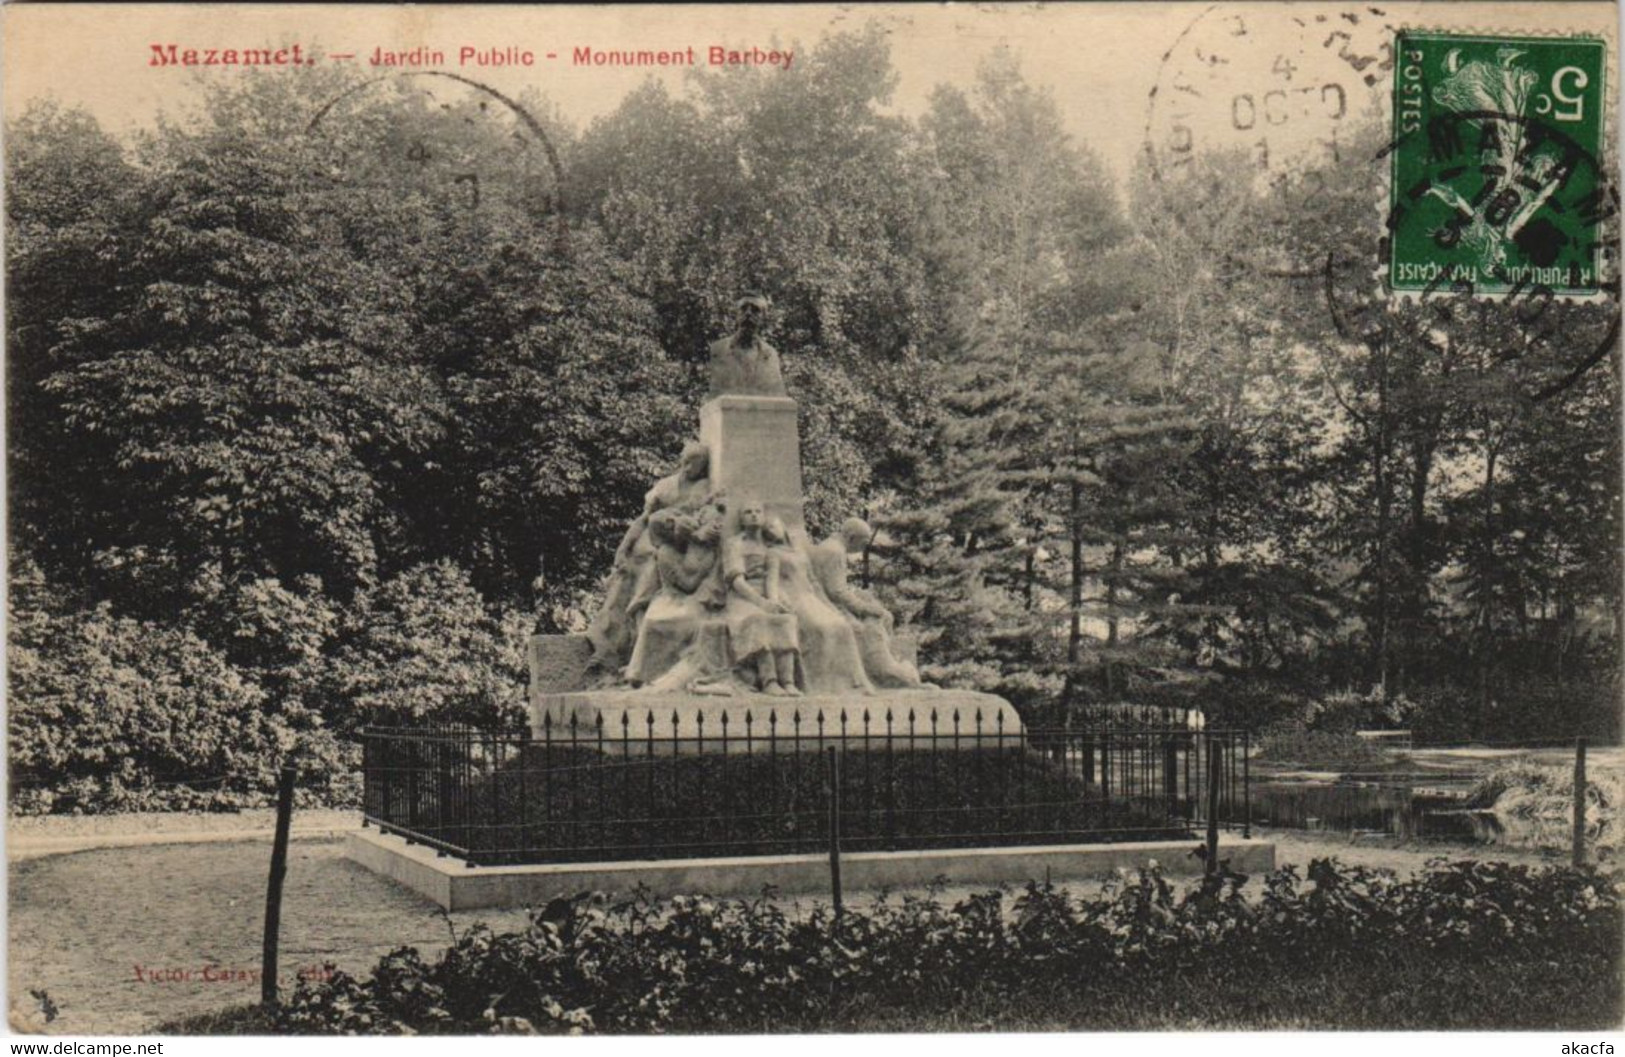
<point>959,537</point>
<point>1109,476</point>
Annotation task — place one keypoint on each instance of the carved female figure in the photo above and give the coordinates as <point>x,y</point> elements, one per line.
<point>683,560</point>
<point>831,661</point>
<point>632,576</point>
<point>762,632</point>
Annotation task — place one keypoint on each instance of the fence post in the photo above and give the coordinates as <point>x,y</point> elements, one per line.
<point>273,885</point>
<point>1213,803</point>
<point>834,774</point>
<point>1579,802</point>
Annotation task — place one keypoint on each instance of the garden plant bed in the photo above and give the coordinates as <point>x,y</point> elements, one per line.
<point>1463,945</point>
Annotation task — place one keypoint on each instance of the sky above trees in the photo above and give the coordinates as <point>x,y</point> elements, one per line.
<point>1101,61</point>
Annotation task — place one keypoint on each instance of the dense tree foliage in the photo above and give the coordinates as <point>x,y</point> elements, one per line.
<point>320,403</point>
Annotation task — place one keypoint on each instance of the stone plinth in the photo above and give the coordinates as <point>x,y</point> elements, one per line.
<point>756,452</point>
<point>686,723</point>
<point>457,886</point>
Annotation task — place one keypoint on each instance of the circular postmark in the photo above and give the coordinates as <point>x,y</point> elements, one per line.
<point>467,142</point>
<point>1271,90</point>
<point>1312,104</point>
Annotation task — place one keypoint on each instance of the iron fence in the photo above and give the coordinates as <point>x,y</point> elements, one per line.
<point>640,787</point>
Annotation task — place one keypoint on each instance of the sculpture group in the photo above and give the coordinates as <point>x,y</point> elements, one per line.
<point>692,607</point>
<point>711,594</point>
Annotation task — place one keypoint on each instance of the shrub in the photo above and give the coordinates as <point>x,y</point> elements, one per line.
<point>1535,803</point>
<point>1538,709</point>
<point>1252,704</point>
<point>197,711</point>
<point>587,964</point>
<point>1321,750</point>
<point>423,648</point>
<point>110,713</point>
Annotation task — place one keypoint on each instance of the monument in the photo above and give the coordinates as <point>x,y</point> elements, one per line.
<point>721,613</point>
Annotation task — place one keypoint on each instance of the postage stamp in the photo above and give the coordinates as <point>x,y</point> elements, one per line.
<point>1494,182</point>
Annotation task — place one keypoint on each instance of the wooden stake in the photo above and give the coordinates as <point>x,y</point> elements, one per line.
<point>1579,802</point>
<point>273,885</point>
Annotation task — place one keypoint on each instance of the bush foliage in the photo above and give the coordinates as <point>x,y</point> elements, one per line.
<point>694,964</point>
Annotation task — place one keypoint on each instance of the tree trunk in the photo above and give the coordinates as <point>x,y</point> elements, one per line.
<point>1112,630</point>
<point>1486,591</point>
<point>1385,503</point>
<point>1074,641</point>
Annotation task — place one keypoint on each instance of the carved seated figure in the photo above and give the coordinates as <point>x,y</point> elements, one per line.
<point>684,558</point>
<point>871,622</point>
<point>762,630</point>
<point>632,583</point>
<point>830,659</point>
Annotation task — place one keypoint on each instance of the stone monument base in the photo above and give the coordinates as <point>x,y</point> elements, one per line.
<point>944,720</point>
<point>457,886</point>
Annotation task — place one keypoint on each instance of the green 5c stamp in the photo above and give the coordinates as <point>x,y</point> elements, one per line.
<point>1495,186</point>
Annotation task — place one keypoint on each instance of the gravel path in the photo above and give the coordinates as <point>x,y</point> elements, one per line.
<point>34,826</point>
<point>30,837</point>
<point>125,938</point>
<point>82,924</point>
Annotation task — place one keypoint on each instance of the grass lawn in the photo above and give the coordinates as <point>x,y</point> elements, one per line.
<point>81,923</point>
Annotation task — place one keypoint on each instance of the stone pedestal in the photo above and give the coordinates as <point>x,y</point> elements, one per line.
<point>558,665</point>
<point>755,452</point>
<point>636,723</point>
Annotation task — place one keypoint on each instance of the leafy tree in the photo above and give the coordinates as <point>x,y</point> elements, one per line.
<point>423,647</point>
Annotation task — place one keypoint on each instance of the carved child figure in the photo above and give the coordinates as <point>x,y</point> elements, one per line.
<point>870,620</point>
<point>762,631</point>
